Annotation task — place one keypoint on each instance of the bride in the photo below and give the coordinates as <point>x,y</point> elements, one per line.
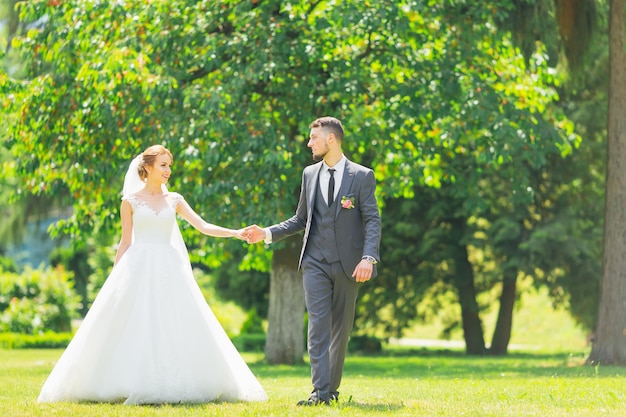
<point>150,336</point>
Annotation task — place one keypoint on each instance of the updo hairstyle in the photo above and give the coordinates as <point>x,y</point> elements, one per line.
<point>149,156</point>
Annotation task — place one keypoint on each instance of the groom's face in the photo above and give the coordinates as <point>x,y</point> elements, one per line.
<point>318,142</point>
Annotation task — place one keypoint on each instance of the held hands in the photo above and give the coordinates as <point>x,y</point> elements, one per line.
<point>363,271</point>
<point>253,234</point>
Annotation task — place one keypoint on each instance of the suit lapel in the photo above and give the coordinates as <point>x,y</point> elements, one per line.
<point>310,190</point>
<point>346,183</point>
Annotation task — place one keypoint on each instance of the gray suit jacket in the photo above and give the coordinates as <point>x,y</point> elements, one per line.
<point>357,230</point>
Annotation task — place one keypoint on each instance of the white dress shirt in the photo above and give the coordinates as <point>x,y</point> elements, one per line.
<point>324,178</point>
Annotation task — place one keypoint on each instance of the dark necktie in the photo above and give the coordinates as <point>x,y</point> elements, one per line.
<point>331,187</point>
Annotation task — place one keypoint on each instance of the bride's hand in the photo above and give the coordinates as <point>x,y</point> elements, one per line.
<point>240,234</point>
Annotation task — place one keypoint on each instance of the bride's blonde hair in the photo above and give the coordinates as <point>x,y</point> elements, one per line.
<point>149,156</point>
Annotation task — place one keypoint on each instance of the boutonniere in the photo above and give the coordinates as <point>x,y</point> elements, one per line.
<point>347,202</point>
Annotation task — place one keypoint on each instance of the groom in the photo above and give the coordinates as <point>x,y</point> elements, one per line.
<point>339,215</point>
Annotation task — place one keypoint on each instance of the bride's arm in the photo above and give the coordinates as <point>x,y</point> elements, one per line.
<point>126,213</point>
<point>209,229</point>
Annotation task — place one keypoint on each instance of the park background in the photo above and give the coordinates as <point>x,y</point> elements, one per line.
<point>489,124</point>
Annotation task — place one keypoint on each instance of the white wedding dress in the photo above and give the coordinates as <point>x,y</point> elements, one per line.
<point>150,336</point>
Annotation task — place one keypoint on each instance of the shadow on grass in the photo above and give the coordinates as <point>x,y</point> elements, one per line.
<point>370,407</point>
<point>424,363</point>
<point>161,405</point>
<point>342,405</point>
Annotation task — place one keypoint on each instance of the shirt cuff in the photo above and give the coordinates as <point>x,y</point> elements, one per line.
<point>268,235</point>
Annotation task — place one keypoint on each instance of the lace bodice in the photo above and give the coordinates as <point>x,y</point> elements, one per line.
<point>153,225</point>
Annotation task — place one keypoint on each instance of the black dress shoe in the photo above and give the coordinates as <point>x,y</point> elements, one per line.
<point>314,399</point>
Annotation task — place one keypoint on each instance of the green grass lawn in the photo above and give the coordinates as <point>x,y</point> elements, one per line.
<point>543,376</point>
<point>401,382</point>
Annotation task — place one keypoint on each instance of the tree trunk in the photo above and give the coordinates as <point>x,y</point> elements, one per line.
<point>472,327</point>
<point>464,282</point>
<point>504,324</point>
<point>13,19</point>
<point>609,346</point>
<point>285,335</point>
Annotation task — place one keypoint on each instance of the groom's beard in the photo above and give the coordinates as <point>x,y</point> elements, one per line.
<point>321,155</point>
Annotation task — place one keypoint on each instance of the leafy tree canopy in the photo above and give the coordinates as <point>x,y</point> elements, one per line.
<point>430,93</point>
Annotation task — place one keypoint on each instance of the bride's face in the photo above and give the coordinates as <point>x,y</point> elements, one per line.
<point>161,170</point>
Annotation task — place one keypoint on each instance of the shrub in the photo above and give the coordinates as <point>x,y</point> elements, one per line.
<point>253,323</point>
<point>7,264</point>
<point>47,340</point>
<point>250,342</point>
<point>365,344</point>
<point>76,260</point>
<point>37,300</point>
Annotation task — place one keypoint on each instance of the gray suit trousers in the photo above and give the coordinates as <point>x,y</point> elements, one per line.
<point>330,298</point>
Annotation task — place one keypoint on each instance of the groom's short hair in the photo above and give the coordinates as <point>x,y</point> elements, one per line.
<point>330,124</point>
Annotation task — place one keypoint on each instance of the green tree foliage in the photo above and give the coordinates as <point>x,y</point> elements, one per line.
<point>568,241</point>
<point>431,92</point>
<point>232,98</point>
<point>16,208</point>
<point>482,216</point>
